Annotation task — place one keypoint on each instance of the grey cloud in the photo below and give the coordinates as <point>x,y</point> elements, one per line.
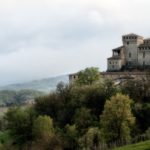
<point>47,38</point>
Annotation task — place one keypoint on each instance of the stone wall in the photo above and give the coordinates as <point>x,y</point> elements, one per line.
<point>144,58</point>
<point>117,75</point>
<point>114,64</point>
<point>125,75</point>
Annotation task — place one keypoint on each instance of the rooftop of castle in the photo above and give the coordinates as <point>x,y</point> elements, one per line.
<point>132,34</point>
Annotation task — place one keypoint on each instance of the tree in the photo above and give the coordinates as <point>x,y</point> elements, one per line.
<point>71,136</point>
<point>43,132</point>
<point>117,119</point>
<point>91,140</point>
<point>83,118</point>
<point>142,113</point>
<point>19,123</point>
<point>88,76</point>
<point>43,128</point>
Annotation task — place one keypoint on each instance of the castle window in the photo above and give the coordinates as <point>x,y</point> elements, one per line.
<point>129,55</point>
<point>143,54</point>
<point>127,43</point>
<point>110,62</point>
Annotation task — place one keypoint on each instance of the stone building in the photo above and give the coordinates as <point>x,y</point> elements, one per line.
<point>133,54</point>
<point>128,61</point>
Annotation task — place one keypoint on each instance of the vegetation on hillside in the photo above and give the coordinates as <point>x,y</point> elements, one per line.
<point>139,146</point>
<point>9,98</point>
<point>93,116</point>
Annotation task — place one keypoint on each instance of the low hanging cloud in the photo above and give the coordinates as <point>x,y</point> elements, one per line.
<point>46,38</point>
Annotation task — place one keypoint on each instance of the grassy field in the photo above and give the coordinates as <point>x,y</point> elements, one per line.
<point>139,146</point>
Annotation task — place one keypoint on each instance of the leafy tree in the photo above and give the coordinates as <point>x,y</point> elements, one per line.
<point>147,133</point>
<point>88,76</point>
<point>142,114</point>
<point>45,135</point>
<point>43,128</point>
<point>19,123</point>
<point>91,140</point>
<point>48,105</point>
<point>117,118</point>
<point>71,136</point>
<point>83,118</point>
<point>109,89</point>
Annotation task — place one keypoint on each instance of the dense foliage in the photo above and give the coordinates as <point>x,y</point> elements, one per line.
<point>88,76</point>
<point>80,116</point>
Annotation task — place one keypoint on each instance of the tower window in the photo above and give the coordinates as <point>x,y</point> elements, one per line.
<point>127,43</point>
<point>143,54</point>
<point>129,55</point>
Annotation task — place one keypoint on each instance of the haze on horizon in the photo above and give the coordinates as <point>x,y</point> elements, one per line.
<point>43,38</point>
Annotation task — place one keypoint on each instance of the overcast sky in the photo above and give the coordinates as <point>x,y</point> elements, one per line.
<point>45,38</point>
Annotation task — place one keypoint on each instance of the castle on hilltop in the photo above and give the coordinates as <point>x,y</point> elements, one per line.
<point>133,54</point>
<point>129,61</point>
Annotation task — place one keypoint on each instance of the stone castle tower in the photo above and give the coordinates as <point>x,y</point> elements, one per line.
<point>133,54</point>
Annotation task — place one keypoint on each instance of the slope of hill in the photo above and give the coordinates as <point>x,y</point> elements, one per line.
<point>139,146</point>
<point>9,97</point>
<point>45,85</point>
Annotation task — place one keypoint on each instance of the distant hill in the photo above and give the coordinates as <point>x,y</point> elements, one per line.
<point>9,97</point>
<point>45,85</point>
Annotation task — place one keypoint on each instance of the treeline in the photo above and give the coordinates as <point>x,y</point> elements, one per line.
<point>87,114</point>
<point>9,97</point>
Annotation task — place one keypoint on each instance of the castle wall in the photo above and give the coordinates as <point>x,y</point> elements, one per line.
<point>144,58</point>
<point>73,77</point>
<point>124,75</point>
<point>115,76</point>
<point>114,64</point>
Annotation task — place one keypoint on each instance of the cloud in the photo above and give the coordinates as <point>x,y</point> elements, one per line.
<point>42,38</point>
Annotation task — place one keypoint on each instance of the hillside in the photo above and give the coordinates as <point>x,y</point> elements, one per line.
<point>45,85</point>
<point>139,146</point>
<point>9,97</point>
